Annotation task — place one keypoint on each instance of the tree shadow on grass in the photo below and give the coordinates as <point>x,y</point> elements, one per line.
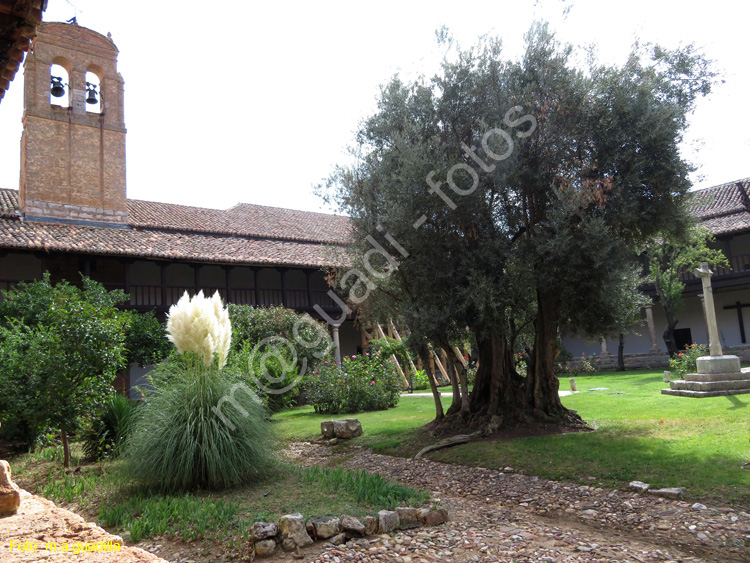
<point>736,403</point>
<point>648,381</point>
<point>614,459</point>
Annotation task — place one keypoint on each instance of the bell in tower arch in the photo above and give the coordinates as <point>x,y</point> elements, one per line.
<point>91,93</point>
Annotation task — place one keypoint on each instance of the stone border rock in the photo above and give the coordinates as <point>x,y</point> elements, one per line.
<point>292,533</point>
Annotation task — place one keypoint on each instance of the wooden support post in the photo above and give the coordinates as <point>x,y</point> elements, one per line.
<point>255,286</point>
<point>395,359</point>
<point>398,337</point>
<point>163,268</point>
<point>196,278</point>
<point>127,282</point>
<point>440,366</point>
<point>284,293</point>
<point>459,355</point>
<point>310,301</point>
<point>228,283</point>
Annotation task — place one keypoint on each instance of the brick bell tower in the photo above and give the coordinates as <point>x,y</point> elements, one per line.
<point>73,143</point>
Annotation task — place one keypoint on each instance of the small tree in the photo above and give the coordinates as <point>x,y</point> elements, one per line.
<point>668,258</point>
<point>61,348</point>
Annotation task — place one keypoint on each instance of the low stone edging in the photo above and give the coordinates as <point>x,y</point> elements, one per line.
<point>292,533</point>
<point>651,360</point>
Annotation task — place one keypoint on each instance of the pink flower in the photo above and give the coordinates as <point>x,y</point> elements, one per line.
<point>679,355</point>
<point>372,383</point>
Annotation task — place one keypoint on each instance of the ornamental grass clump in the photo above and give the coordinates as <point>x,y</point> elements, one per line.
<point>199,426</point>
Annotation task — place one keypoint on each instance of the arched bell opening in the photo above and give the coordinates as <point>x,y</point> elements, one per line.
<point>59,86</point>
<point>93,94</point>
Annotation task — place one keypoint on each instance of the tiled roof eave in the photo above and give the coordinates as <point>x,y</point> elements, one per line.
<point>235,234</point>
<point>164,245</point>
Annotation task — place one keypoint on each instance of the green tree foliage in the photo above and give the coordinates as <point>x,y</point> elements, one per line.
<point>146,341</point>
<point>254,324</point>
<point>61,349</point>
<point>514,190</point>
<point>668,259</point>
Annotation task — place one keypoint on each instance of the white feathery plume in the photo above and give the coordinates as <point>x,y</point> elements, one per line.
<point>200,325</point>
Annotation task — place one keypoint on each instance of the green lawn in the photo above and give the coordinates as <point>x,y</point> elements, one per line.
<point>697,444</point>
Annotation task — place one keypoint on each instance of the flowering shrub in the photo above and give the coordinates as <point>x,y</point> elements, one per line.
<point>367,382</point>
<point>684,362</point>
<point>589,364</point>
<point>201,325</point>
<point>520,364</point>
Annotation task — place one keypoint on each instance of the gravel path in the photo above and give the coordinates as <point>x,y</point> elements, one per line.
<point>502,516</point>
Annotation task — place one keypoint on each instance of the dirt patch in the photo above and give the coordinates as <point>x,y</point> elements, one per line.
<point>41,531</point>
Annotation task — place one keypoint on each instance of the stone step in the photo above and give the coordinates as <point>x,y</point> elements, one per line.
<point>683,385</point>
<point>703,394</point>
<point>736,376</point>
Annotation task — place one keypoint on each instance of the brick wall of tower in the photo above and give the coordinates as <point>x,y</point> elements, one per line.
<point>73,160</point>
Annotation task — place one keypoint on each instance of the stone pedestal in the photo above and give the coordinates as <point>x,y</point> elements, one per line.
<point>717,376</point>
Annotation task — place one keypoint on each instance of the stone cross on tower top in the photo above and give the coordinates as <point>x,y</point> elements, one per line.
<point>714,346</point>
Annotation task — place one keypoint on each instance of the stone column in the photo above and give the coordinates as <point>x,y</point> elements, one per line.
<point>651,328</point>
<point>337,343</point>
<point>603,342</point>
<point>714,346</point>
<point>705,319</point>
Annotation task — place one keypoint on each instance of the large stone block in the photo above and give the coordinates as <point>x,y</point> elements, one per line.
<point>718,364</point>
<point>343,429</point>
<point>352,524</point>
<point>326,527</point>
<point>408,518</point>
<point>293,531</point>
<point>388,521</point>
<point>263,530</point>
<point>10,494</point>
<point>265,548</point>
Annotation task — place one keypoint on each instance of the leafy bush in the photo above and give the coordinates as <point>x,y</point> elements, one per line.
<point>200,427</point>
<point>362,383</point>
<point>146,341</point>
<point>270,372</point>
<point>420,380</point>
<point>684,362</point>
<point>105,434</point>
<point>276,349</point>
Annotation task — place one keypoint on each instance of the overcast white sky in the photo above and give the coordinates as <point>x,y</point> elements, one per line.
<point>256,102</point>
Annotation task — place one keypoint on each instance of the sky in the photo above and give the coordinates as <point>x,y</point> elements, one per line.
<point>257,102</point>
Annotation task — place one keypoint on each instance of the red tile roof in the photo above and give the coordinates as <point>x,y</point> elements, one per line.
<point>723,209</point>
<point>242,220</point>
<point>264,235</point>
